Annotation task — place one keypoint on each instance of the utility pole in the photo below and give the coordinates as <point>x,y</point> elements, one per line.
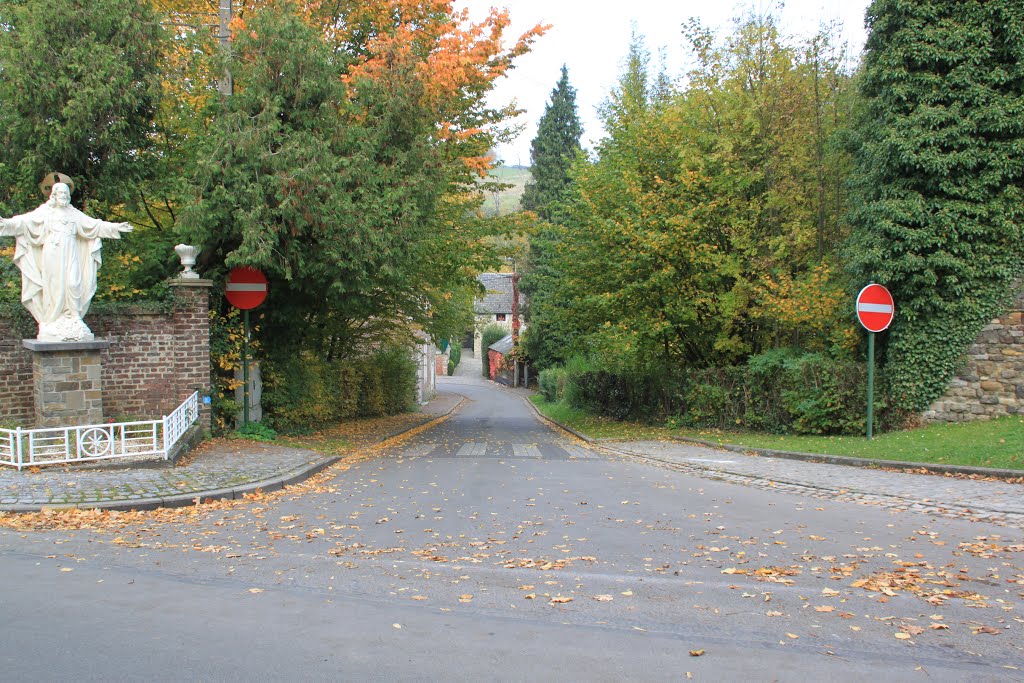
<point>226,86</point>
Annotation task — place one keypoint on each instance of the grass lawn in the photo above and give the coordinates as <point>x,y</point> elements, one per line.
<point>993,443</point>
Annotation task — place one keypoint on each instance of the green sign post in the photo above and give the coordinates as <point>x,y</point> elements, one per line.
<point>246,288</point>
<point>875,310</point>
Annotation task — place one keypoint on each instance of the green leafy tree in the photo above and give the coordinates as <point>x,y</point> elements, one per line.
<point>940,178</point>
<point>554,150</point>
<point>704,209</point>
<point>339,190</point>
<point>80,86</point>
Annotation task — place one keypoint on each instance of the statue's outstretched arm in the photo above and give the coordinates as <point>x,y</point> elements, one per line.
<point>9,227</point>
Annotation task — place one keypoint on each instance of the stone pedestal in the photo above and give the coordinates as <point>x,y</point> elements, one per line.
<point>68,379</point>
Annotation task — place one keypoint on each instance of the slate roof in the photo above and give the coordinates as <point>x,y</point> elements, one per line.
<point>498,298</point>
<point>503,345</point>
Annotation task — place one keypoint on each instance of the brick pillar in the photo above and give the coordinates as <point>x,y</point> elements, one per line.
<point>192,341</point>
<point>68,382</point>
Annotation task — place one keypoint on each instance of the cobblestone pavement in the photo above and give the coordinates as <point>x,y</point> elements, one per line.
<point>220,469</point>
<point>992,501</point>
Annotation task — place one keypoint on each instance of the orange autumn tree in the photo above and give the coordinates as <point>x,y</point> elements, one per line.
<point>453,61</point>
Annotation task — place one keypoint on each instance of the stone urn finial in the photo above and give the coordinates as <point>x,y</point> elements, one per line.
<point>187,254</point>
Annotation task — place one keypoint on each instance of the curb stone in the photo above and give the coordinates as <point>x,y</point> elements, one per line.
<point>276,483</point>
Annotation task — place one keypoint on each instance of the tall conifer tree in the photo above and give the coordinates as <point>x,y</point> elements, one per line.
<point>554,149</point>
<point>940,188</point>
<point>552,154</point>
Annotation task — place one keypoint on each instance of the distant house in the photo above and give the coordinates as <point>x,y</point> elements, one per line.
<point>495,307</point>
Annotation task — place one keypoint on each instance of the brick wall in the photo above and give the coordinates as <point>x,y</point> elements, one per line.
<point>154,362</point>
<point>992,381</point>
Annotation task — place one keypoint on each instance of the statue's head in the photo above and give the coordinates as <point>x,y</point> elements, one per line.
<point>60,195</point>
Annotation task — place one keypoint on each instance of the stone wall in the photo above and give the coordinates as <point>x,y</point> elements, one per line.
<point>155,360</point>
<point>991,383</point>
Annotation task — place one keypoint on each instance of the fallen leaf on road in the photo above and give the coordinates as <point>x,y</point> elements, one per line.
<point>792,635</point>
<point>255,590</point>
<point>773,613</point>
<point>627,593</point>
<point>825,608</point>
<point>991,630</point>
<point>903,636</point>
<point>603,598</point>
<point>940,627</point>
<point>559,599</point>
<point>695,653</point>
<point>465,598</point>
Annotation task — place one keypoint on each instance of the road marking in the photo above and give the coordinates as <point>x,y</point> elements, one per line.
<point>419,451</point>
<point>472,450</point>
<point>524,450</point>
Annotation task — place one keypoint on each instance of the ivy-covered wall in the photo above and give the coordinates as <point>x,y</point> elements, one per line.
<point>991,382</point>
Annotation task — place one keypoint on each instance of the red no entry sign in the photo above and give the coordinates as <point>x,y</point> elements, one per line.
<point>875,308</point>
<point>246,288</point>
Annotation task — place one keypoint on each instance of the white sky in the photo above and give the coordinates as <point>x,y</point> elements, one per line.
<point>591,38</point>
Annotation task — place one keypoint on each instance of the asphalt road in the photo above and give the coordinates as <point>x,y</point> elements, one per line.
<point>493,548</point>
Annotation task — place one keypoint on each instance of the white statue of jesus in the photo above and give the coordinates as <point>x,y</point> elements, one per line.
<point>58,252</point>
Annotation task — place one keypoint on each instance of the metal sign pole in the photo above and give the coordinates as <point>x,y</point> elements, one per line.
<point>871,379</point>
<point>245,373</point>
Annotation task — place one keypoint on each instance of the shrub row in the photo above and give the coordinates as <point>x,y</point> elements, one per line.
<point>305,392</point>
<point>780,391</point>
<point>488,336</point>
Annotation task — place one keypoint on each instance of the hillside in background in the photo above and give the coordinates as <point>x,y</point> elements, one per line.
<point>506,201</point>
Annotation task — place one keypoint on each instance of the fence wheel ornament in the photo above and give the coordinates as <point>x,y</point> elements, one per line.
<point>95,442</point>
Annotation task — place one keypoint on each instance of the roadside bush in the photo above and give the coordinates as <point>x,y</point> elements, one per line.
<point>780,391</point>
<point>455,357</point>
<point>552,383</point>
<point>398,379</point>
<point>488,336</point>
<point>303,392</point>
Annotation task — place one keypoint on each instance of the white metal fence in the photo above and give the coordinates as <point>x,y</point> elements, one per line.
<point>30,447</point>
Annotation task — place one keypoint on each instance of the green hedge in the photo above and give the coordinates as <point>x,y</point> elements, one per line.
<point>490,334</point>
<point>304,392</point>
<point>781,391</point>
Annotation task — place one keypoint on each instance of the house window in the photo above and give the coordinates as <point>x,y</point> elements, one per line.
<point>499,317</point>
